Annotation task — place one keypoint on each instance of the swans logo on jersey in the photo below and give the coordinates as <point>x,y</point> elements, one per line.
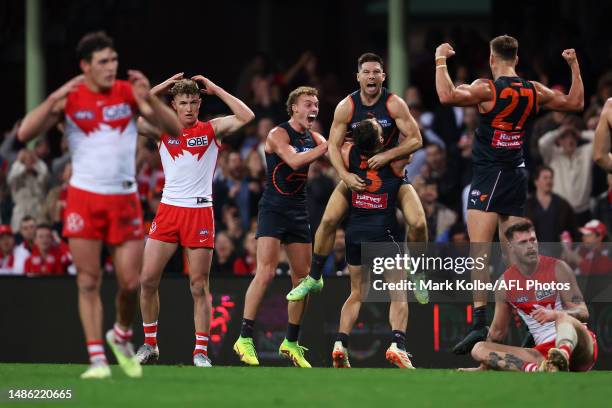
<point>174,141</point>
<point>116,112</point>
<point>197,141</point>
<point>84,115</point>
<point>153,227</point>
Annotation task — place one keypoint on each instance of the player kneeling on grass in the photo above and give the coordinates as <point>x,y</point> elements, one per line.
<point>185,214</point>
<point>555,318</point>
<point>371,223</point>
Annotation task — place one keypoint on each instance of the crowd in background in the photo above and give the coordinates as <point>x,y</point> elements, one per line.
<point>570,198</point>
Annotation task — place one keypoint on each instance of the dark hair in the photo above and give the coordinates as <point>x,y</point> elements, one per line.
<point>369,57</point>
<point>27,218</point>
<point>44,226</point>
<point>540,169</point>
<point>365,136</point>
<point>522,226</point>
<point>92,42</point>
<point>505,47</point>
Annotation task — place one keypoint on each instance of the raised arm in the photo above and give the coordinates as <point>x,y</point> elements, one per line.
<point>151,107</point>
<point>464,95</point>
<point>242,114</point>
<point>147,130</point>
<point>557,101</point>
<point>48,113</point>
<point>407,127</point>
<point>278,142</point>
<point>163,88</point>
<point>601,144</point>
<point>337,134</point>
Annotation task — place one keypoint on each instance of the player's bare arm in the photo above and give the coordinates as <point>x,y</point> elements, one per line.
<point>558,101</point>
<point>242,114</point>
<point>501,321</point>
<point>337,134</point>
<point>407,127</point>
<point>163,88</point>
<point>48,113</point>
<point>463,95</point>
<point>148,130</point>
<point>601,144</point>
<point>572,300</point>
<point>151,107</point>
<point>278,142</point>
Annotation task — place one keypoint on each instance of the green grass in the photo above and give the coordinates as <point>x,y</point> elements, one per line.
<point>322,387</point>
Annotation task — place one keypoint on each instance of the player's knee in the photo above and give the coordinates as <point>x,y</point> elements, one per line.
<point>88,283</point>
<point>148,285</point>
<point>265,274</point>
<point>129,284</point>
<point>198,288</point>
<point>329,222</point>
<point>478,351</point>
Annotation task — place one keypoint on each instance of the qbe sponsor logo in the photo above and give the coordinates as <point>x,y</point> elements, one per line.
<point>197,141</point>
<point>116,112</point>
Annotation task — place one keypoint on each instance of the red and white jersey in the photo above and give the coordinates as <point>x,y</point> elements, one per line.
<point>7,264</point>
<point>527,301</point>
<point>189,166</point>
<point>102,134</point>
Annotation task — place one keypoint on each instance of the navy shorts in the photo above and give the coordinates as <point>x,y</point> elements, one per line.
<point>501,191</point>
<point>354,238</point>
<point>288,225</point>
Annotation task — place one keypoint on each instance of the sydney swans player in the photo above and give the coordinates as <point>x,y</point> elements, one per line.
<point>555,318</point>
<point>102,205</point>
<point>185,214</point>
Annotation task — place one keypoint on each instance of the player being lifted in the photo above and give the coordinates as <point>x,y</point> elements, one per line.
<point>185,214</point>
<point>372,100</point>
<point>371,218</point>
<point>283,219</point>
<point>507,106</point>
<point>102,204</point>
<point>555,318</point>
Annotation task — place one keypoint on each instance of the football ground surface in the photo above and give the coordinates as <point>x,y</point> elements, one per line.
<point>186,386</point>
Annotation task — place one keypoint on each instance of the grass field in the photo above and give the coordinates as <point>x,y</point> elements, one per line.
<point>321,387</point>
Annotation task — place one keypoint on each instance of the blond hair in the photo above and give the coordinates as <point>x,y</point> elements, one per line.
<point>296,93</point>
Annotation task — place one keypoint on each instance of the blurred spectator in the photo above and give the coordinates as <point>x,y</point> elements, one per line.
<point>256,176</point>
<point>550,121</point>
<point>27,231</point>
<point>447,123</point>
<point>549,212</point>
<point>603,206</point>
<point>7,250</point>
<point>303,72</point>
<point>319,188</point>
<point>439,217</point>
<point>257,141</point>
<point>46,258</point>
<point>27,181</point>
<point>149,167</point>
<point>592,257</point>
<point>247,263</point>
<point>572,165</point>
<point>437,169</point>
<point>465,143</point>
<point>59,163</point>
<point>265,100</point>
<point>223,259</point>
<point>458,234</point>
<point>55,203</point>
<point>419,158</point>
<point>335,264</point>
<point>10,145</point>
<point>231,223</point>
<point>233,187</point>
<point>42,149</point>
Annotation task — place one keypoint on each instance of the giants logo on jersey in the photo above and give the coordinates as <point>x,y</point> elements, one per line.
<point>197,141</point>
<point>116,112</point>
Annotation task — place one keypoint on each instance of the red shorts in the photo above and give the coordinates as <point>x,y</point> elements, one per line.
<point>112,218</point>
<point>544,347</point>
<point>190,227</point>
